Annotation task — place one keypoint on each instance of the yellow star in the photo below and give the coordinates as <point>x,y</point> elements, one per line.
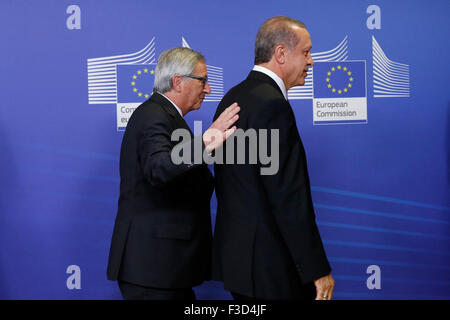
<point>332,69</point>
<point>146,95</point>
<point>133,83</point>
<point>339,91</point>
<point>327,79</point>
<point>134,89</point>
<point>351,79</point>
<point>152,72</point>
<point>339,67</point>
<point>329,73</point>
<point>139,72</point>
<point>349,85</point>
<point>145,70</point>
<point>345,89</point>
<point>329,85</point>
<point>134,76</point>
<point>345,68</point>
<point>334,90</point>
<point>349,73</point>
<point>140,94</point>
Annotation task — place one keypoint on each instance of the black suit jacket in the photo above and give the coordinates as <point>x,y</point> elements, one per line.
<point>266,242</point>
<point>162,233</point>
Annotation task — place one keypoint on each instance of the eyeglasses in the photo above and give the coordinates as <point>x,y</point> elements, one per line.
<point>204,80</point>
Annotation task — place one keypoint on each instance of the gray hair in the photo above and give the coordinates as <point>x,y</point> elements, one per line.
<point>178,60</point>
<point>275,31</point>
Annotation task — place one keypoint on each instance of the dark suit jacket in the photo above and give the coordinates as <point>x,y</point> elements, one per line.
<point>162,233</point>
<point>266,242</point>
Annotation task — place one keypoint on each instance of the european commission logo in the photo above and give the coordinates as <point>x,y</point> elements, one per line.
<point>134,86</point>
<point>338,86</point>
<point>127,81</point>
<point>339,94</point>
<point>390,79</point>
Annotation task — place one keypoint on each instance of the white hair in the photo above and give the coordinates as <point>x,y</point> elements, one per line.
<point>178,60</point>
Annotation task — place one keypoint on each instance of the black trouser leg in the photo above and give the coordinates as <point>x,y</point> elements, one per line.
<point>136,292</point>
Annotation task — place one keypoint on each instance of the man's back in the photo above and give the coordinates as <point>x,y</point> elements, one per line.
<point>163,229</point>
<point>258,246</point>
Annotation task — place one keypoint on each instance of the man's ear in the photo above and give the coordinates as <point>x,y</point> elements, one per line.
<point>280,54</point>
<point>177,82</point>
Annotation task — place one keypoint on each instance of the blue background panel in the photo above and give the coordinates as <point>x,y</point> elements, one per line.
<point>380,189</point>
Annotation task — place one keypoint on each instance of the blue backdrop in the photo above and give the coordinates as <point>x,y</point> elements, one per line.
<point>380,185</point>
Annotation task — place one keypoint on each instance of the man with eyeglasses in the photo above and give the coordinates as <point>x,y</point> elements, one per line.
<point>161,244</point>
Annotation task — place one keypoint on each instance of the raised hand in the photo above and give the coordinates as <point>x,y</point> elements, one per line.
<point>220,129</point>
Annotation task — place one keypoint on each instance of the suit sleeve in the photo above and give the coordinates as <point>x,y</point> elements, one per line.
<point>155,148</point>
<point>289,194</point>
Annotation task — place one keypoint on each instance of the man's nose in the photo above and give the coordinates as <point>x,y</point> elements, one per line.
<point>311,61</point>
<point>207,88</point>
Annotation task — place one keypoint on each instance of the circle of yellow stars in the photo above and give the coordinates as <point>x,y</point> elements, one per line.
<point>347,72</point>
<point>140,73</point>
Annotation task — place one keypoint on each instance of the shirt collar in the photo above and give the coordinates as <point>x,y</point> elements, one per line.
<point>274,76</point>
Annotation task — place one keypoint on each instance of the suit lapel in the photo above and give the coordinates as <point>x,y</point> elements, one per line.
<point>170,109</point>
<point>259,76</point>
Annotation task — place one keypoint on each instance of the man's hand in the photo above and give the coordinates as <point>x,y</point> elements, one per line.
<point>220,129</point>
<point>324,287</point>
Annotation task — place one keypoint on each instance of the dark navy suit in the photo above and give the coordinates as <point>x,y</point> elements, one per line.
<point>266,242</point>
<point>162,234</point>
